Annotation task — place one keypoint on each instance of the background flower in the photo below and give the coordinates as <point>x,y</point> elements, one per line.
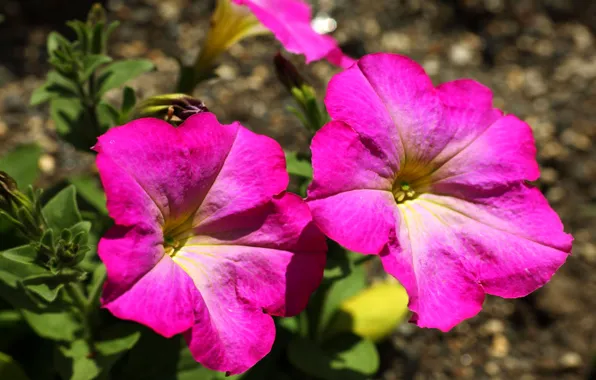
<point>206,242</point>
<point>434,181</point>
<point>290,21</point>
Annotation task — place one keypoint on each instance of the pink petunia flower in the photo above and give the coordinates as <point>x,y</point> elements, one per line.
<point>206,242</point>
<point>290,21</point>
<point>433,180</point>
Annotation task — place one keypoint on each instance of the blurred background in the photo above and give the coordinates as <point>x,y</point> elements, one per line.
<point>539,58</point>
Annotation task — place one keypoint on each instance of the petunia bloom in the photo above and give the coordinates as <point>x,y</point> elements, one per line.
<point>206,242</point>
<point>289,20</point>
<point>433,180</point>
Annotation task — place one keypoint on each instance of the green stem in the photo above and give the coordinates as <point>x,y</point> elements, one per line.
<point>92,105</point>
<point>89,103</point>
<point>75,291</point>
<point>95,291</point>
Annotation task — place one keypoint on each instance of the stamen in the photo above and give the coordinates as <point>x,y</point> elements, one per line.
<point>403,192</point>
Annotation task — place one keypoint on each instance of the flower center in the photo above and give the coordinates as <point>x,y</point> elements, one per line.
<point>403,191</point>
<point>411,181</point>
<point>176,233</point>
<point>171,245</point>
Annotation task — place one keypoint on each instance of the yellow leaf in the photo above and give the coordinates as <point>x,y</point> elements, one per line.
<point>374,312</point>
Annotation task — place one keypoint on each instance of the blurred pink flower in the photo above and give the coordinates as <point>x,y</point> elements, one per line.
<point>206,242</point>
<point>290,21</point>
<point>433,180</point>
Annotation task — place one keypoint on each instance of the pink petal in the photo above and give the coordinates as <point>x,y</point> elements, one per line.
<point>361,220</point>
<point>253,170</point>
<point>174,166</point>
<point>343,161</point>
<point>467,113</point>
<point>503,153</point>
<point>290,21</point>
<point>267,262</point>
<point>351,99</point>
<point>164,299</point>
<point>453,251</point>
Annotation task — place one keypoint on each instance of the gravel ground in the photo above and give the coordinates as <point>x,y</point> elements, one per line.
<point>538,57</point>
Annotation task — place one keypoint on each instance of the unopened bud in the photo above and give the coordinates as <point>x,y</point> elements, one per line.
<point>287,73</point>
<point>7,187</point>
<point>167,106</point>
<point>96,15</point>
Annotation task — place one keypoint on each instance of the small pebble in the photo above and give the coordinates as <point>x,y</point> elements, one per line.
<point>47,164</point>
<point>500,346</point>
<point>396,42</point>
<point>549,175</point>
<point>571,360</point>
<point>555,194</point>
<point>492,368</point>
<point>461,54</point>
<point>493,327</point>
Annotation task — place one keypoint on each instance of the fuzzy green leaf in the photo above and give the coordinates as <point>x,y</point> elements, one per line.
<point>118,73</point>
<point>61,211</point>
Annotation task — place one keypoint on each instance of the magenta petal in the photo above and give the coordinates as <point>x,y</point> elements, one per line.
<point>502,154</point>
<point>290,21</point>
<point>402,87</point>
<point>253,170</point>
<point>164,299</point>
<point>351,99</point>
<point>268,261</point>
<point>342,161</point>
<point>360,220</point>
<point>427,262</point>
<point>453,251</point>
<point>165,161</point>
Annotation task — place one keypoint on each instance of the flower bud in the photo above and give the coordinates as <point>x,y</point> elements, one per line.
<point>96,15</point>
<point>169,105</point>
<point>287,73</point>
<point>7,187</point>
<point>21,209</point>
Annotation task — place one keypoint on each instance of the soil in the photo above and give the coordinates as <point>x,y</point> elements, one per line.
<point>538,57</point>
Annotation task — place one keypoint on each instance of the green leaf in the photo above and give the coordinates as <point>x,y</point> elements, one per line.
<point>16,264</point>
<point>83,34</point>
<point>129,99</point>
<point>12,329</point>
<point>25,254</point>
<point>91,63</point>
<point>78,361</point>
<point>61,325</point>
<point>62,212</point>
<point>68,115</point>
<point>108,115</point>
<point>88,187</point>
<point>152,358</point>
<point>48,285</point>
<point>118,73</point>
<point>21,164</point>
<point>56,85</point>
<point>74,361</point>
<point>338,291</point>
<point>346,357</point>
<point>353,354</point>
<point>189,369</point>
<point>54,40</point>
<point>10,370</point>
<point>297,166</point>
<point>117,339</point>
